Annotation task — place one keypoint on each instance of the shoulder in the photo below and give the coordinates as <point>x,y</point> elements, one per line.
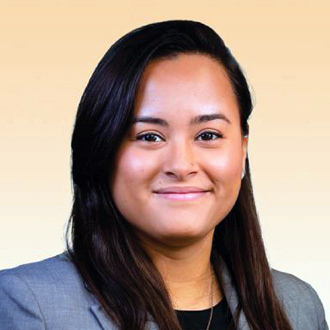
<point>300,301</point>
<point>37,294</point>
<point>50,268</point>
<point>56,272</point>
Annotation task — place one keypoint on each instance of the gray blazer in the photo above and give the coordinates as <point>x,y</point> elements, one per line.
<point>50,294</point>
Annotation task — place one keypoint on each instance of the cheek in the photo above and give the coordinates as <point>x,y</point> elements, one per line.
<point>226,165</point>
<point>133,169</point>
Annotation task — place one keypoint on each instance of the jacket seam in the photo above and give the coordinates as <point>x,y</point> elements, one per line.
<point>34,296</point>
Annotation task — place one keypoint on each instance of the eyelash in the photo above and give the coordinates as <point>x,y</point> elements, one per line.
<point>142,136</point>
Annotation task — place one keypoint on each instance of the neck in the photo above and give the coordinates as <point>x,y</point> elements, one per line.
<point>187,273</point>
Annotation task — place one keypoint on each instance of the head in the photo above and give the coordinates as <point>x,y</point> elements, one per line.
<point>176,71</point>
<point>186,134</point>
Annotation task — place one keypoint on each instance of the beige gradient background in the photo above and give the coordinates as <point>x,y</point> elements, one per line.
<point>48,52</point>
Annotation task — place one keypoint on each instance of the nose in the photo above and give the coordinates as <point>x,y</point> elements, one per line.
<point>180,160</point>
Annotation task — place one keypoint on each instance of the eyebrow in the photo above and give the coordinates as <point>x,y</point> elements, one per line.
<point>194,121</point>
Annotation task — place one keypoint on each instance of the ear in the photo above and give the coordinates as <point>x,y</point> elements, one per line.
<point>245,140</point>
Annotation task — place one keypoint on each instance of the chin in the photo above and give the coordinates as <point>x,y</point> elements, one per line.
<point>176,232</point>
<point>182,236</point>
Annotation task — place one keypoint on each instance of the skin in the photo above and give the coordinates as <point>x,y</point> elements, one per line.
<point>209,155</point>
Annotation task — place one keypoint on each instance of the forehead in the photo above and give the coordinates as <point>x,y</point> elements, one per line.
<point>189,84</point>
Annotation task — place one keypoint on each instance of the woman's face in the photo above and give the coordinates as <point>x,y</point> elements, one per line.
<point>178,172</point>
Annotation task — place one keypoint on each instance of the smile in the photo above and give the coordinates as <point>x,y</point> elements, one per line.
<point>183,196</point>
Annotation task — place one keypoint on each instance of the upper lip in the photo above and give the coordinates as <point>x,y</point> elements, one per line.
<point>180,190</point>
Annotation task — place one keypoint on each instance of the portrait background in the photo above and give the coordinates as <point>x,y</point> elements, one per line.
<point>49,49</point>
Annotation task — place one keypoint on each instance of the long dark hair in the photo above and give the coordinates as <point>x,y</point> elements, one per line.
<point>112,262</point>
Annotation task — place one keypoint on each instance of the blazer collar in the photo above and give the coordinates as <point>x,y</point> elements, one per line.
<point>229,292</point>
<point>107,324</point>
<point>102,318</point>
<point>231,297</point>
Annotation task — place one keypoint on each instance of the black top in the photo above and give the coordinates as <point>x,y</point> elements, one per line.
<point>198,320</point>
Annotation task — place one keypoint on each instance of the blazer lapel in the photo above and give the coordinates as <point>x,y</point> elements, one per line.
<point>231,297</point>
<point>102,318</point>
<point>106,324</point>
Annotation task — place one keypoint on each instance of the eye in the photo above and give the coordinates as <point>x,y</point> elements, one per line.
<point>208,136</point>
<point>149,137</point>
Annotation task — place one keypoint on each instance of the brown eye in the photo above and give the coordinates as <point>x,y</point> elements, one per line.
<point>207,136</point>
<point>149,137</point>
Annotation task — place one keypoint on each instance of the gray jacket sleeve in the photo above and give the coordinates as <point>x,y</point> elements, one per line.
<point>300,301</point>
<point>317,308</point>
<point>19,308</point>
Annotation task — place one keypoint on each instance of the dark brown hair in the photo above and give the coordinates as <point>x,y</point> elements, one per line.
<point>104,247</point>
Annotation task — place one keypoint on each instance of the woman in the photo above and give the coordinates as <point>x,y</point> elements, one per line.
<point>165,233</point>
